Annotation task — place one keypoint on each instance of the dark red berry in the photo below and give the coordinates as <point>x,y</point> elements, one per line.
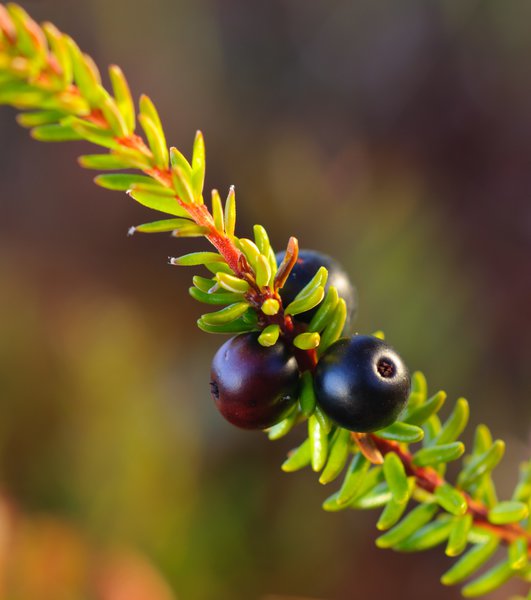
<point>254,387</point>
<point>361,383</point>
<point>307,265</point>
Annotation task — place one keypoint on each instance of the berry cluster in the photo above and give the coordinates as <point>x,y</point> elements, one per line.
<point>360,382</point>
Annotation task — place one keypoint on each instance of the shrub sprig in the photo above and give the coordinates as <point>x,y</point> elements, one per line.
<point>58,87</point>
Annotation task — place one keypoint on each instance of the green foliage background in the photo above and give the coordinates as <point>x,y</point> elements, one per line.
<point>393,140</point>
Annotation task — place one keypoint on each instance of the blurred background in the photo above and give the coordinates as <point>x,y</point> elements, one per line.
<point>395,137</point>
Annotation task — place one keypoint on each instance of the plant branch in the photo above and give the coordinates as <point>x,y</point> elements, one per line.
<point>429,480</point>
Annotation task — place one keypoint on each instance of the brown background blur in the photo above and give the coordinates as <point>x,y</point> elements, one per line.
<point>393,136</point>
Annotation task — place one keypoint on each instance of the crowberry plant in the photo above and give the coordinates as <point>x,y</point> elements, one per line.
<point>283,370</point>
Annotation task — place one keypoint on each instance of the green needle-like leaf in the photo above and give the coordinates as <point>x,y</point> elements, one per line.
<point>92,133</point>
<point>426,537</point>
<point>307,394</point>
<point>198,167</point>
<point>508,512</point>
<point>148,109</point>
<point>270,307</point>
<point>419,390</point>
<point>41,117</point>
<point>421,413</point>
<point>324,419</point>
<point>335,327</point>
<point>402,432</point>
<point>451,499</point>
<point>156,188</point>
<point>178,160</point>
<point>357,470</point>
<point>337,459</point>
<point>395,475</point>
<point>377,497</point>
<point>132,157</point>
<point>240,325</point>
<point>225,315</point>
<point>283,427</point>
<point>232,283</point>
<point>484,490</point>
<point>55,133</point>
<point>458,538</point>
<point>183,185</point>
<point>218,268</point>
<point>417,518</point>
<point>481,464</point>
<point>325,312</point>
<point>165,225</point>
<point>250,249</point>
<point>86,75</point>
<point>318,443</point>
<point>30,39</point>
<point>269,335</point>
<point>113,116</point>
<point>103,162</point>
<point>304,303</point>
<point>455,424</point>
<point>391,514</point>
<point>432,428</point>
<point>158,202</point>
<point>482,439</point>
<point>217,211</point>
<point>123,181</point>
<point>262,271</point>
<point>307,341</point>
<point>518,554</point>
<point>317,281</point>
<point>439,454</point>
<point>262,241</point>
<point>298,458</point>
<point>197,258</point>
<point>219,298</point>
<point>371,480</point>
<point>156,141</point>
<point>489,581</point>
<point>204,284</point>
<point>331,504</point>
<point>470,562</point>
<point>59,47</point>
<point>190,230</point>
<point>122,93</point>
<point>230,213</point>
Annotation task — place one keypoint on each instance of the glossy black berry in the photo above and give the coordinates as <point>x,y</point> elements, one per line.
<point>307,265</point>
<point>253,387</point>
<point>361,383</point>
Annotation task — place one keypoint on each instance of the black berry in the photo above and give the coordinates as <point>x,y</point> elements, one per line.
<point>307,265</point>
<point>254,387</point>
<point>361,383</point>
